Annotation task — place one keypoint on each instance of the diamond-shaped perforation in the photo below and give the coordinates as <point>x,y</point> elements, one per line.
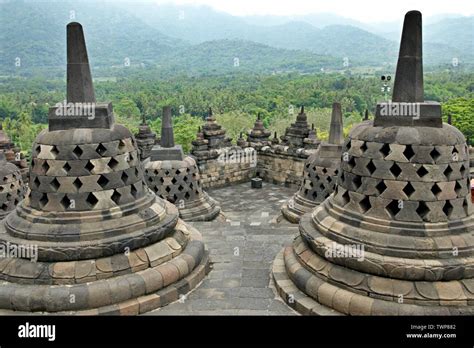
<point>345,198</point>
<point>77,151</point>
<point>54,151</point>
<point>357,181</point>
<point>457,188</point>
<point>435,155</point>
<point>348,145</point>
<point>371,167</point>
<point>409,189</point>
<point>381,187</point>
<point>92,200</point>
<point>395,170</point>
<point>116,197</point>
<point>124,177</point>
<point>134,191</point>
<point>67,167</point>
<point>436,189</point>
<point>422,210</point>
<point>38,150</point>
<point>351,162</point>
<point>168,189</point>
<point>65,202</point>
<point>113,163</point>
<point>393,208</point>
<point>363,147</point>
<point>103,181</point>
<point>89,166</point>
<point>447,209</point>
<point>43,200</point>
<point>77,184</point>
<point>121,145</point>
<point>101,149</point>
<point>37,182</point>
<point>187,195</point>
<point>54,184</point>
<point>324,170</point>
<point>462,170</point>
<point>408,152</point>
<point>174,181</point>
<point>365,204</point>
<point>45,166</point>
<point>447,172</point>
<point>422,171</point>
<point>385,150</point>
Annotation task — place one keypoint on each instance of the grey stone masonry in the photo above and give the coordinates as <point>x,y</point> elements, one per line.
<point>12,189</point>
<point>89,228</point>
<point>396,237</point>
<point>320,172</point>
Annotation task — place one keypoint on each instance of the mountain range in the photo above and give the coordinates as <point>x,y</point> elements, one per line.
<point>199,40</point>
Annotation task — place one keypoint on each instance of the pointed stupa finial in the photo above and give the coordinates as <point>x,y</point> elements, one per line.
<point>408,85</point>
<point>302,109</point>
<point>167,136</point>
<point>335,131</point>
<point>209,112</point>
<point>258,117</point>
<point>366,115</point>
<point>80,88</point>
<point>450,119</point>
<point>312,126</point>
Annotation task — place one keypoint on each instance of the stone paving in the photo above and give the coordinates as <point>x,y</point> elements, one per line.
<point>243,245</point>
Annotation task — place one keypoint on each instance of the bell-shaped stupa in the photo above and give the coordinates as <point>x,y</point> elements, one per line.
<point>175,177</point>
<point>90,237</point>
<point>396,238</point>
<point>320,172</point>
<point>11,186</point>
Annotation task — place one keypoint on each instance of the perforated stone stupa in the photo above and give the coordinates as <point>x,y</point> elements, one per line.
<point>12,153</point>
<point>177,179</point>
<point>320,172</point>
<point>11,186</point>
<point>95,239</point>
<point>396,238</point>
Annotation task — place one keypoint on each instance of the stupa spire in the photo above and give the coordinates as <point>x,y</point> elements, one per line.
<point>80,88</point>
<point>167,135</point>
<point>335,131</point>
<point>409,75</point>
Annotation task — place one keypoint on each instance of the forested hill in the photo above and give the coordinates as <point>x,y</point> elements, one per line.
<point>195,40</point>
<point>36,34</point>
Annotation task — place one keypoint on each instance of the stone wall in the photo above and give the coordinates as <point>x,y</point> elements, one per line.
<point>236,165</point>
<point>215,173</point>
<point>280,169</point>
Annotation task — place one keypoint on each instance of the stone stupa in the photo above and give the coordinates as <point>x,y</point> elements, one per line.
<point>145,139</point>
<point>175,177</point>
<point>297,132</point>
<point>259,135</point>
<point>11,186</point>
<point>12,153</point>
<point>396,238</point>
<point>320,172</point>
<point>94,238</point>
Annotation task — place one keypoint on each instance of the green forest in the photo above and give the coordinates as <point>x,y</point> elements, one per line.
<point>235,99</point>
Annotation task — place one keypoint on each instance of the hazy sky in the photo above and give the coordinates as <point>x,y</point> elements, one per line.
<point>362,10</point>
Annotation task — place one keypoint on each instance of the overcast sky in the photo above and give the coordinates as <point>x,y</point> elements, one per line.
<point>362,10</point>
